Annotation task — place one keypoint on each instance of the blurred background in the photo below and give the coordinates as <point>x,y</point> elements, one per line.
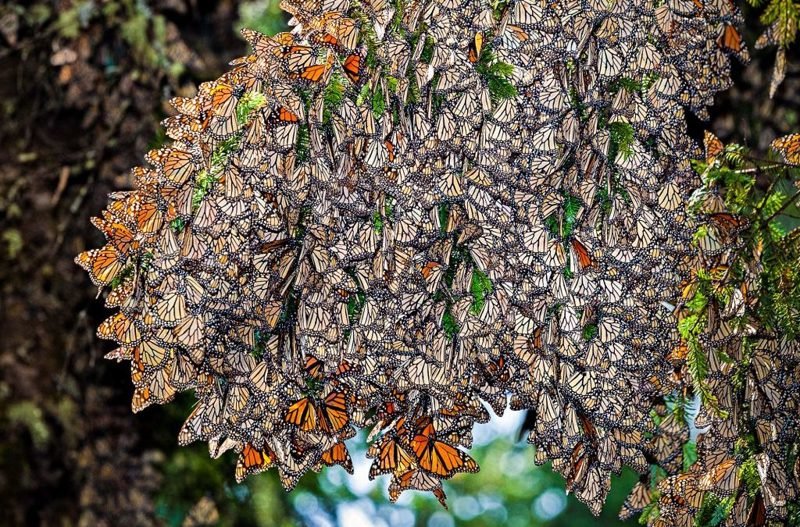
<point>83,86</point>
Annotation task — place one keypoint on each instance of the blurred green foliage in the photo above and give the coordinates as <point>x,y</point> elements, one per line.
<point>265,16</point>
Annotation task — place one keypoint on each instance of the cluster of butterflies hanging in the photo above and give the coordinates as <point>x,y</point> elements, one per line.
<point>746,426</point>
<point>398,212</point>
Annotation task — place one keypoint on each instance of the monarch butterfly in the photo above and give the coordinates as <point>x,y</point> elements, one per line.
<point>418,480</point>
<point>475,46</point>
<point>788,147</point>
<point>312,73</point>
<point>176,165</point>
<point>151,354</point>
<point>117,234</point>
<point>637,500</point>
<point>377,153</point>
<point>224,98</point>
<point>124,293</point>
<point>205,420</point>
<point>253,460</point>
<point>723,478</point>
<point>580,255</point>
<point>390,457</point>
<point>437,457</point>
<point>103,265</point>
<point>171,308</point>
<point>728,223</point>
<point>731,40</point>
<point>332,29</point>
<point>158,390</point>
<point>353,67</point>
<point>609,61</point>
<point>713,146</point>
<point>338,455</point>
<point>330,415</point>
<point>121,329</point>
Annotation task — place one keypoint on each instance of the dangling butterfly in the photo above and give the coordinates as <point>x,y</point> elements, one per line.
<point>788,147</point>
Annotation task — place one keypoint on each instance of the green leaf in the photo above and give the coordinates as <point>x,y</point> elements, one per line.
<point>177,225</point>
<point>480,288</point>
<point>622,135</point>
<point>496,74</point>
<point>589,332</point>
<point>449,324</point>
<point>689,455</point>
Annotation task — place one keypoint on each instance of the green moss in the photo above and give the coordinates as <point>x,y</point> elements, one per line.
<point>444,213</point>
<point>206,179</point>
<point>377,222</point>
<point>364,95</point>
<point>202,185</point>
<point>378,219</point>
<point>260,347</point>
<point>126,272</point>
<point>714,510</point>
<point>146,260</point>
<point>748,473</point>
<point>367,33</point>
<point>635,86</point>
<point>499,8</point>
<point>427,50</point>
<point>388,207</point>
<point>378,103</point>
<point>562,225</point>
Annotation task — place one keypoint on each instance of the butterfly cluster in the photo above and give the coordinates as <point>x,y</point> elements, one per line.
<point>746,375</point>
<point>397,212</point>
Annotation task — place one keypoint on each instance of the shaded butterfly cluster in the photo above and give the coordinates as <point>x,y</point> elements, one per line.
<point>747,470</point>
<point>396,213</point>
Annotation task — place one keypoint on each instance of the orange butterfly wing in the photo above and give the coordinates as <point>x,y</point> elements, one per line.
<point>584,258</point>
<point>313,73</point>
<point>252,460</point>
<point>338,455</point>
<point>475,46</point>
<point>352,67</point>
<point>439,458</point>
<point>788,147</point>
<point>713,146</point>
<point>286,116</point>
<point>117,234</point>
<point>392,457</point>
<point>334,412</point>
<point>103,264</point>
<point>302,414</point>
